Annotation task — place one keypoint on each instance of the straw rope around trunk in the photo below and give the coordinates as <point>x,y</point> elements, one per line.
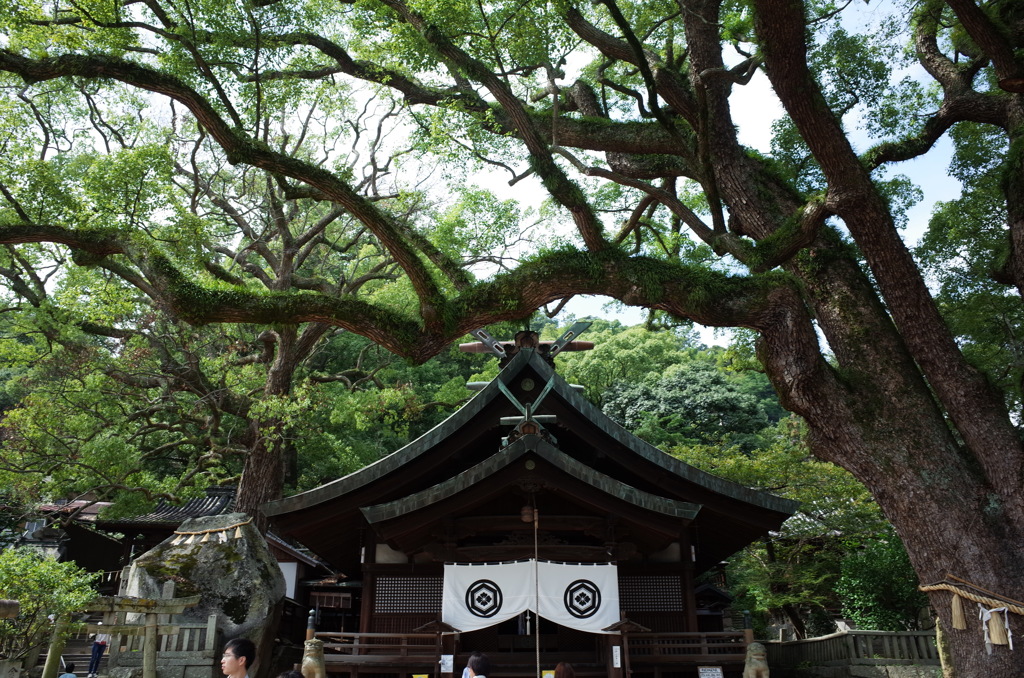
<point>968,590</point>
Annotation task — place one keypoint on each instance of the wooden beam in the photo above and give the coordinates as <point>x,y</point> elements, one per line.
<point>128,604</point>
<point>133,630</point>
<point>469,526</point>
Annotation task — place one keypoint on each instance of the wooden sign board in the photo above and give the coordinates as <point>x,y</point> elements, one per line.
<point>710,672</point>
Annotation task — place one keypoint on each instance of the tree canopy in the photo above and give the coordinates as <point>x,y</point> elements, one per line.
<point>45,589</point>
<point>268,163</point>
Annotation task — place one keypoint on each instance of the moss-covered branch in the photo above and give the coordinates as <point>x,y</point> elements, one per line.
<point>240,148</point>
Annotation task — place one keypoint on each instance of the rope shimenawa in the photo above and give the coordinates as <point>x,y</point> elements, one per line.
<point>959,585</point>
<point>186,537</point>
<point>993,609</point>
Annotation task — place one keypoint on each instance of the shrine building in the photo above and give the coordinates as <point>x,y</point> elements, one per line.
<point>528,470</point>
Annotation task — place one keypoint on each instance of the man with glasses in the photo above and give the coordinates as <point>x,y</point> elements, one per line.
<point>238,656</point>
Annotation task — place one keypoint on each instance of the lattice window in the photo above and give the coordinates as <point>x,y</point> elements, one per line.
<point>651,593</point>
<point>409,595</point>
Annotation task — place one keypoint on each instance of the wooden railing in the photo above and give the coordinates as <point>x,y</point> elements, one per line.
<point>676,648</point>
<point>345,650</point>
<point>856,647</point>
<point>371,648</point>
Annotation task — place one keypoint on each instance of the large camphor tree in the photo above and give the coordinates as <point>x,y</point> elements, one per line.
<point>623,113</point>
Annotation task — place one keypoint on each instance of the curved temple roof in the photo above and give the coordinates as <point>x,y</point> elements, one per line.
<point>583,443</point>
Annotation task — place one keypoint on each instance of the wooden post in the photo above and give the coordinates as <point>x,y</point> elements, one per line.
<point>311,625</point>
<point>211,634</point>
<point>57,641</point>
<point>9,609</point>
<point>149,647</point>
<point>613,640</point>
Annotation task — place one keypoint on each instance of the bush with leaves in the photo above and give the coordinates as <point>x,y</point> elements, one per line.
<point>878,586</point>
<point>43,587</point>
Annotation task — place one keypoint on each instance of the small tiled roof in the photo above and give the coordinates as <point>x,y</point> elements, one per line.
<point>85,510</point>
<point>218,500</point>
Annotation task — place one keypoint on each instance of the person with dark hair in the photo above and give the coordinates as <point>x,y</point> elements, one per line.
<point>479,665</point>
<point>239,655</point>
<point>69,671</point>
<point>564,670</point>
<point>465,671</point>
<point>290,674</point>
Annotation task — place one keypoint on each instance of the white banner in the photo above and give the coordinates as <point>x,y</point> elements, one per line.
<point>580,596</point>
<point>481,595</point>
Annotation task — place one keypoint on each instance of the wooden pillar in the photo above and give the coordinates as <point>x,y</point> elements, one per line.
<point>686,558</point>
<point>149,647</point>
<point>612,641</point>
<point>57,641</point>
<point>369,583</point>
<point>449,645</point>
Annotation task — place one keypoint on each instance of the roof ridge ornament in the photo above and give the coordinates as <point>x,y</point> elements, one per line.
<point>528,339</point>
<point>529,423</point>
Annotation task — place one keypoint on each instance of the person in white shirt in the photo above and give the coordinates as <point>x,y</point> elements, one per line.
<point>99,646</point>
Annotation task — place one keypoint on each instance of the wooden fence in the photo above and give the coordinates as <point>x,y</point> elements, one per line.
<point>848,648</point>
<point>685,648</point>
<point>344,652</point>
<point>193,643</point>
<point>370,647</point>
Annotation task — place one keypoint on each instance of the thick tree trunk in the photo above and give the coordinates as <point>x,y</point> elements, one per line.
<point>875,416</point>
<point>901,410</point>
<point>263,475</point>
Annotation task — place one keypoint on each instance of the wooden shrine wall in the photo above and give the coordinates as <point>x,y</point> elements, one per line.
<point>402,603</point>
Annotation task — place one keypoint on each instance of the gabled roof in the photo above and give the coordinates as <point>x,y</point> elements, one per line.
<point>325,518</point>
<point>484,502</point>
<point>500,461</point>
